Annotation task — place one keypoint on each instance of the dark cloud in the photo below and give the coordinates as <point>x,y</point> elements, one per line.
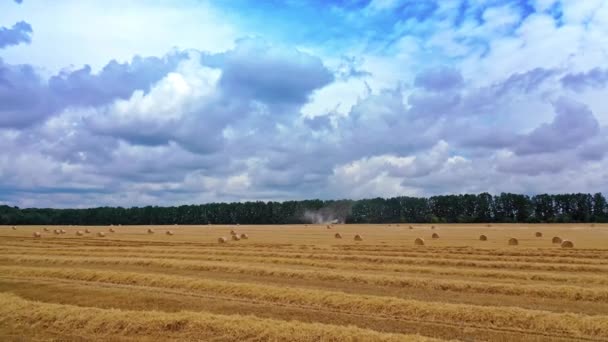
<point>270,74</point>
<point>25,99</point>
<point>318,123</point>
<point>439,79</point>
<point>533,165</point>
<point>20,33</point>
<point>573,124</point>
<point>115,81</point>
<point>524,82</point>
<point>594,78</point>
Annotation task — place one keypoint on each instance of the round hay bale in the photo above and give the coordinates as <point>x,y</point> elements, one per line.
<point>538,234</point>
<point>37,234</point>
<point>556,239</point>
<point>222,240</point>
<point>14,228</point>
<point>235,237</point>
<point>483,238</point>
<point>338,236</point>
<point>45,229</point>
<point>433,227</point>
<point>150,231</point>
<point>411,227</point>
<point>435,236</point>
<point>79,233</point>
<point>101,234</point>
<point>358,238</point>
<point>328,227</point>
<point>244,236</point>
<point>419,242</point>
<point>62,231</point>
<point>111,230</point>
<point>232,232</point>
<point>56,231</point>
<point>513,242</point>
<point>169,232</point>
<point>87,231</point>
<point>488,225</point>
<point>567,244</point>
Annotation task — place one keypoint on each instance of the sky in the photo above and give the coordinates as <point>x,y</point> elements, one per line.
<point>158,102</point>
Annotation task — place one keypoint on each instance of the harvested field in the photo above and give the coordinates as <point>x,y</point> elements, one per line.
<point>302,283</point>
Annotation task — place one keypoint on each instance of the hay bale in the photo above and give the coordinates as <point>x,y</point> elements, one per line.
<point>235,237</point>
<point>45,229</point>
<point>328,227</point>
<point>14,228</point>
<point>411,227</point>
<point>513,242</point>
<point>111,230</point>
<point>538,234</point>
<point>87,231</point>
<point>169,232</point>
<point>433,227</point>
<point>483,238</point>
<point>435,236</point>
<point>419,242</point>
<point>358,238</point>
<point>244,236</point>
<point>150,231</point>
<point>338,236</point>
<point>80,233</point>
<point>62,231</point>
<point>556,239</point>
<point>37,234</point>
<point>222,240</point>
<point>101,234</point>
<point>232,232</point>
<point>56,231</point>
<point>567,244</point>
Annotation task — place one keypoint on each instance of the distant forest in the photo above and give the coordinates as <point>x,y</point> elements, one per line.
<point>481,208</point>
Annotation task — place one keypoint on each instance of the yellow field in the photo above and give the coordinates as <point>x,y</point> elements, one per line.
<point>299,283</point>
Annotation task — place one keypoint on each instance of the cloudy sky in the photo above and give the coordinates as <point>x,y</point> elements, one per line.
<point>162,102</point>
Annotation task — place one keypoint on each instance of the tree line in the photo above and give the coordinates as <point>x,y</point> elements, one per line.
<point>470,208</point>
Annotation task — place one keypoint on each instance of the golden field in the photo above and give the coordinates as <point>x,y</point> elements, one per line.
<point>300,283</point>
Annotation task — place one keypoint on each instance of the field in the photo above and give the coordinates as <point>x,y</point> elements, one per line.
<point>300,283</point>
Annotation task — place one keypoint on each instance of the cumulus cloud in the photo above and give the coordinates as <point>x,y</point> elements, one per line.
<point>273,75</point>
<point>20,33</point>
<point>594,78</point>
<point>26,98</point>
<point>440,79</point>
<point>574,123</point>
<point>446,99</point>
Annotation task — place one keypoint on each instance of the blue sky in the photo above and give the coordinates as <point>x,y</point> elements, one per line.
<point>162,102</point>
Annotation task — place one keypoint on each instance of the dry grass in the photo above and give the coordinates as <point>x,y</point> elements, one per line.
<point>21,314</point>
<point>290,279</point>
